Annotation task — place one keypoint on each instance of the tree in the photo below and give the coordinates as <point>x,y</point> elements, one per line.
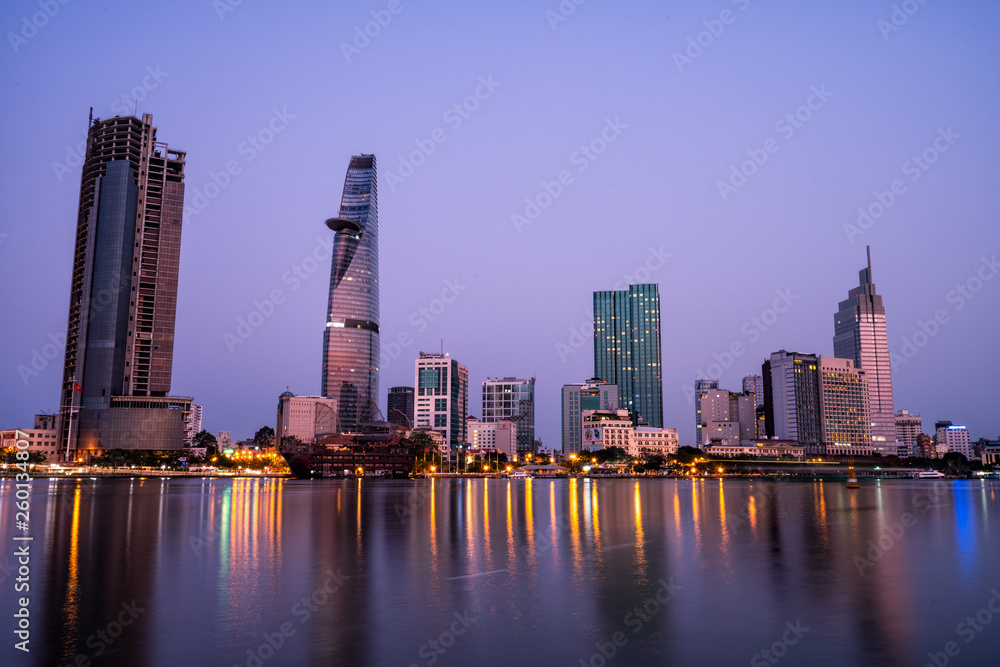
<point>686,455</point>
<point>421,439</point>
<point>206,440</point>
<point>263,438</point>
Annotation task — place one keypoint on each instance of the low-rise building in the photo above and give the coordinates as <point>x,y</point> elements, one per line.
<point>952,438</point>
<point>43,439</point>
<point>651,440</point>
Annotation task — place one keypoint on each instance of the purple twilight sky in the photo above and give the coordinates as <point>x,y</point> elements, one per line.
<point>646,106</point>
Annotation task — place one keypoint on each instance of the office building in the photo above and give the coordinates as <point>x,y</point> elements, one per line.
<point>819,402</point>
<point>908,428</point>
<point>351,335</point>
<point>951,438</point>
<point>123,294</point>
<point>305,418</point>
<point>498,436</point>
<point>512,399</point>
<point>594,394</point>
<point>399,408</point>
<point>719,418</point>
<point>754,385</point>
<point>442,397</point>
<point>606,428</point>
<point>627,349</point>
<point>843,408</point>
<point>701,387</point>
<point>860,335</point>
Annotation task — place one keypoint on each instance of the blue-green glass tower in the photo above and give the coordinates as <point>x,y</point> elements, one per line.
<point>627,349</point>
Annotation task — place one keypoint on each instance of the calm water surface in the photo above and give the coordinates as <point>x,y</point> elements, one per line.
<point>494,572</point>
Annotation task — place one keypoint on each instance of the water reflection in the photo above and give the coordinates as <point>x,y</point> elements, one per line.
<point>548,567</point>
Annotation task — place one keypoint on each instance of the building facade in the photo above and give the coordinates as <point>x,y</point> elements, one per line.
<point>123,294</point>
<point>499,436</point>
<point>843,408</point>
<point>701,387</point>
<point>594,394</point>
<point>192,424</point>
<point>908,428</point>
<point>351,335</point>
<point>951,438</point>
<point>442,397</point>
<point>399,407</point>
<point>754,386</point>
<point>627,349</point>
<point>306,418</point>
<point>860,335</point>
<point>606,428</point>
<point>512,399</point>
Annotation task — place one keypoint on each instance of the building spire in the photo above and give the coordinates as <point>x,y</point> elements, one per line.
<point>869,248</point>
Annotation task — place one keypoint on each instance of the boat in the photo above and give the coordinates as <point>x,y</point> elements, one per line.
<point>929,474</point>
<point>519,474</point>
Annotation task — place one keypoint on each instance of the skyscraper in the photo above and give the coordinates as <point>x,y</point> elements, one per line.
<point>754,384</point>
<point>860,335</point>
<point>351,335</point>
<point>595,394</point>
<point>399,407</point>
<point>123,293</point>
<point>512,399</point>
<point>442,397</point>
<point>627,349</point>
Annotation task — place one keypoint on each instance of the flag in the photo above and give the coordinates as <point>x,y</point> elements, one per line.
<point>77,387</point>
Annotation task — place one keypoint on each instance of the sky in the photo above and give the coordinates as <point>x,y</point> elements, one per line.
<point>741,154</point>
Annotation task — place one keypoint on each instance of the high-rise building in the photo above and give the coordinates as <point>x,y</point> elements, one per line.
<point>512,399</point>
<point>399,407</point>
<point>627,349</point>
<point>442,397</point>
<point>843,408</point>
<point>701,387</point>
<point>351,335</point>
<point>860,334</point>
<point>306,418</point>
<point>500,436</point>
<point>908,428</point>
<point>951,438</point>
<point>819,402</point>
<point>594,394</point>
<point>192,425</point>
<point>123,294</point>
<point>754,385</point>
<point>719,417</point>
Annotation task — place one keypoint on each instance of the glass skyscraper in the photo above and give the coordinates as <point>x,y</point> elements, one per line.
<point>351,335</point>
<point>123,293</point>
<point>512,399</point>
<point>860,335</point>
<point>627,349</point>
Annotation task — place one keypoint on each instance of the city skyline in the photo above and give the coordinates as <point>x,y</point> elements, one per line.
<point>643,141</point>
